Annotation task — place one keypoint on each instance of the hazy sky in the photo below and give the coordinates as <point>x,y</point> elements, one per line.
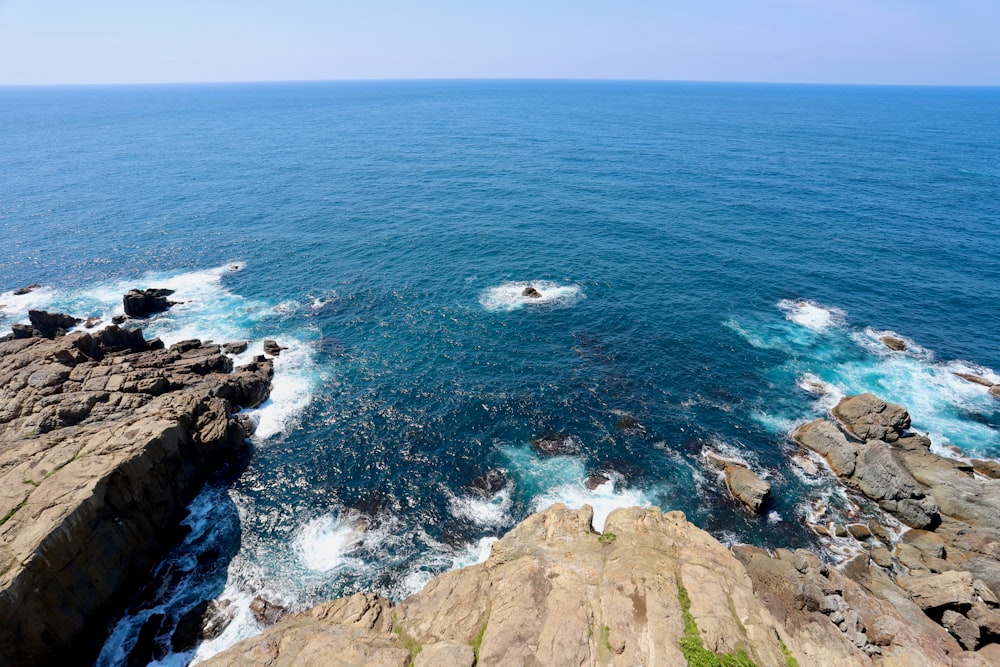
<point>830,41</point>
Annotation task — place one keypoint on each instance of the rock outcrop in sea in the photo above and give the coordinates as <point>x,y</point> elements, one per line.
<point>104,440</point>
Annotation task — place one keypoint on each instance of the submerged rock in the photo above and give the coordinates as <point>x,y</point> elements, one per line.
<point>975,379</point>
<point>596,480</point>
<point>489,483</point>
<point>551,444</point>
<point>21,291</point>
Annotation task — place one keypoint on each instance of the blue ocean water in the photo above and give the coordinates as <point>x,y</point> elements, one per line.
<point>717,262</point>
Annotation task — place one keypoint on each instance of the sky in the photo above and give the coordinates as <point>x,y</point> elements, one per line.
<point>937,42</point>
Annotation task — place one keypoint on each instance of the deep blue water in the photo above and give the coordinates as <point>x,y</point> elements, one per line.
<point>706,253</point>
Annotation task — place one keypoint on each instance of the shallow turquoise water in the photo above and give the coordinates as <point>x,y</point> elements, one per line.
<point>706,253</point>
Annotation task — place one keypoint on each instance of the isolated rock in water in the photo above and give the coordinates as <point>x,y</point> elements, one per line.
<point>531,293</point>
<point>868,417</point>
<point>975,379</point>
<point>746,486</point>
<point>630,425</point>
<point>489,483</point>
<point>555,443</point>
<point>21,291</point>
<point>271,347</point>
<point>893,343</point>
<point>51,325</point>
<point>594,481</point>
<point>143,303</point>
<point>235,347</point>
<point>92,322</point>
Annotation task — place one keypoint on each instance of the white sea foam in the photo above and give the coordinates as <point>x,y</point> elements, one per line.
<point>491,512</point>
<point>604,499</point>
<point>324,543</point>
<point>508,296</point>
<point>810,315</point>
<point>474,553</point>
<point>16,306</point>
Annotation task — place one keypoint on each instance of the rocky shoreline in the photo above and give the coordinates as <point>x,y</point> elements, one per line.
<point>104,440</point>
<point>105,437</point>
<point>653,589</point>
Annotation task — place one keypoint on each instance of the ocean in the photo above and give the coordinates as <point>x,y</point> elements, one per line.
<point>716,264</point>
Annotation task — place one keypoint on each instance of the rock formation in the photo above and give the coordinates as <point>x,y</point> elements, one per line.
<point>531,293</point>
<point>551,444</point>
<point>653,589</point>
<point>104,439</point>
<point>143,303</point>
<point>893,343</point>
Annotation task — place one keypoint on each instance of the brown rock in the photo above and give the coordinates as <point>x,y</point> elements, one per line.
<point>266,612</point>
<point>867,417</point>
<point>995,391</point>
<point>531,293</point>
<point>552,594</point>
<point>114,442</point>
<point>596,480</point>
<point>859,531</point>
<point>893,343</point>
<point>949,589</point>
<point>975,379</point>
<point>881,557</point>
<point>986,468</point>
<point>746,486</point>
<point>826,439</point>
<point>964,630</point>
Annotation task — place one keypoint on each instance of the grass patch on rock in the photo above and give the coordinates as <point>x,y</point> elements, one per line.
<point>694,650</point>
<point>408,642</point>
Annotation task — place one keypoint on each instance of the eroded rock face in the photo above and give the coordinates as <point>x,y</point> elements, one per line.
<point>104,440</point>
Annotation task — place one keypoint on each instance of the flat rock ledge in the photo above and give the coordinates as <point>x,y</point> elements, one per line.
<point>104,440</point>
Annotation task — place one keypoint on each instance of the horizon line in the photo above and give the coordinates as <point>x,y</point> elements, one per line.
<point>490,79</point>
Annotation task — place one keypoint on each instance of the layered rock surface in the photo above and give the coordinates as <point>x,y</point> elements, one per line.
<point>104,439</point>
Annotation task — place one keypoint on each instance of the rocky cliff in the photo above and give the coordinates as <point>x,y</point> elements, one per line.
<point>655,590</point>
<point>104,439</point>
